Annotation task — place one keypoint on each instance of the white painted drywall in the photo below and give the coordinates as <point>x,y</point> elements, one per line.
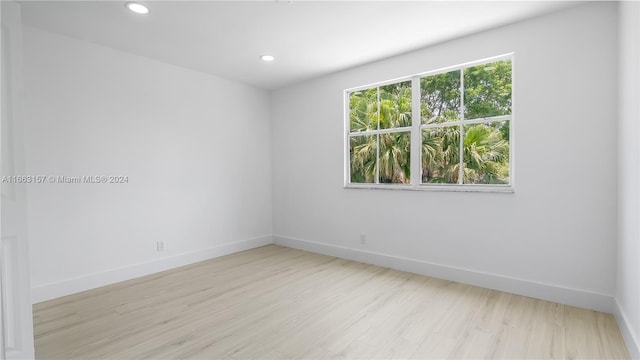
<point>558,230</point>
<point>628,276</point>
<point>196,150</point>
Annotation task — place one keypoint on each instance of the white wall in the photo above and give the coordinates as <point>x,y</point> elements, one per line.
<point>554,238</point>
<point>628,276</point>
<point>196,149</point>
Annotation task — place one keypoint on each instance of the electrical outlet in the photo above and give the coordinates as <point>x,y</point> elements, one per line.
<point>160,246</point>
<point>363,239</point>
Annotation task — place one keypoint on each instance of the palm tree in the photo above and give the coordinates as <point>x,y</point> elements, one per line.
<point>363,158</point>
<point>441,155</point>
<point>363,113</point>
<point>395,162</point>
<point>385,157</point>
<point>393,111</point>
<point>486,154</point>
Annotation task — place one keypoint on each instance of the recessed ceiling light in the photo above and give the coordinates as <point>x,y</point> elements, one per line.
<point>267,58</point>
<point>137,8</point>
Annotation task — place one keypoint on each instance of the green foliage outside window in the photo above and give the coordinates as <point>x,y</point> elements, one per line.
<point>386,107</point>
<point>485,93</point>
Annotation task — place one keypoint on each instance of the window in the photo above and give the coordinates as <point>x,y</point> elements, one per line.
<point>450,129</point>
<point>380,121</point>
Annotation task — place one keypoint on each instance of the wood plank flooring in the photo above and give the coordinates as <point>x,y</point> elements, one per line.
<point>280,303</point>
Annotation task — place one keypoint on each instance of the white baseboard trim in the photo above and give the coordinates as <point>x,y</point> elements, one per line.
<point>87,282</point>
<point>630,339</point>
<point>549,292</point>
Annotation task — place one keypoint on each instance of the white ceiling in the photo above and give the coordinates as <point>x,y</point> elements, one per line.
<point>308,38</point>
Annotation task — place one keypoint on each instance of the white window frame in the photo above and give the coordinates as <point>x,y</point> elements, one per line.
<point>416,134</point>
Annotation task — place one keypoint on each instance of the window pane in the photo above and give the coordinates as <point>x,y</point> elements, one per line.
<point>363,110</point>
<point>395,105</point>
<point>487,90</point>
<point>486,153</point>
<point>441,155</point>
<point>395,153</point>
<point>362,151</point>
<point>440,98</point>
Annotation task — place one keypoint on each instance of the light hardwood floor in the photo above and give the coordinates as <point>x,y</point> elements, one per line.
<point>280,303</point>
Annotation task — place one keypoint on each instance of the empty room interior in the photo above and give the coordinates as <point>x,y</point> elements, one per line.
<point>320,180</point>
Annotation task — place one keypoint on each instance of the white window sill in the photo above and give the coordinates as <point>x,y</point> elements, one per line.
<point>436,187</point>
